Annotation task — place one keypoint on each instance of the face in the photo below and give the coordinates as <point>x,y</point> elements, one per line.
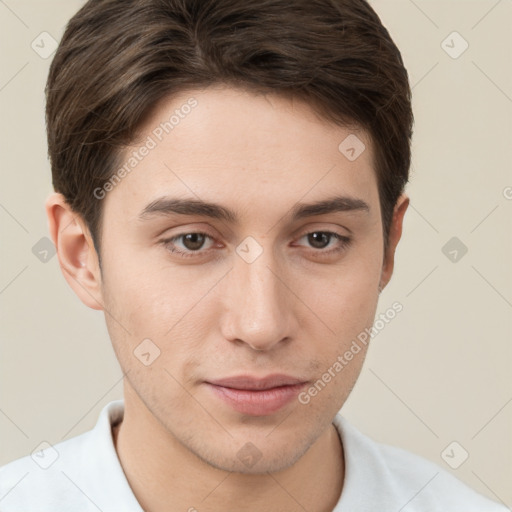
<point>255,286</point>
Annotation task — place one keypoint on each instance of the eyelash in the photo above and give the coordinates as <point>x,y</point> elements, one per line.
<point>168,244</point>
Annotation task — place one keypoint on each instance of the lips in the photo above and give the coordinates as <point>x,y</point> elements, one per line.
<point>257,384</point>
<point>257,396</point>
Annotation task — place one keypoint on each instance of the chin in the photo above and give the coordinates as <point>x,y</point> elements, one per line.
<point>251,460</point>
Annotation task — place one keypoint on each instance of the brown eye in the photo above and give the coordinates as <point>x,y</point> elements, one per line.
<point>193,241</point>
<point>191,244</point>
<point>319,239</point>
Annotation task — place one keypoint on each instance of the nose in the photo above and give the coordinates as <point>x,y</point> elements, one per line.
<point>258,306</point>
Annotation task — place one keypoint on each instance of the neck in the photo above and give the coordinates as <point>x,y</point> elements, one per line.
<point>161,471</point>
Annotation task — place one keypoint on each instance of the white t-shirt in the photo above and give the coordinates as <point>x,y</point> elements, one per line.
<point>83,474</point>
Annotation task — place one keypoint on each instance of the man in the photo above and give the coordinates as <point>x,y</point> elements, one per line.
<point>229,183</point>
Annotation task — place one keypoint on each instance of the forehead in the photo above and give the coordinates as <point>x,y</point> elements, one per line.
<point>228,144</point>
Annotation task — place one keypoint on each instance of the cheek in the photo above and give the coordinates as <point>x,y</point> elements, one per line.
<point>147,295</point>
<point>345,297</point>
<point>166,308</point>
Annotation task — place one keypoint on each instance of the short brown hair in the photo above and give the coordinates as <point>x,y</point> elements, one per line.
<point>117,59</point>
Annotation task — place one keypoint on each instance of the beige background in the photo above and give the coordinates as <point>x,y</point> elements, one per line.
<point>439,372</point>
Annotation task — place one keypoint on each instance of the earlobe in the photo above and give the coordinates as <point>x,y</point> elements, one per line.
<point>75,251</point>
<point>395,233</point>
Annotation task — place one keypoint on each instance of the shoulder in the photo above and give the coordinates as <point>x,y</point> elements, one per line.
<point>398,478</point>
<point>79,474</point>
<point>43,479</point>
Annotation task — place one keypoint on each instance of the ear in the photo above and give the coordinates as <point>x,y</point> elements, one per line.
<point>395,232</point>
<point>75,250</point>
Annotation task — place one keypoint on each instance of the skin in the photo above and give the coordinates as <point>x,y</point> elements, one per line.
<point>215,315</point>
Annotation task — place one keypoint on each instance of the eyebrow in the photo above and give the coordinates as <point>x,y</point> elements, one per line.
<point>167,206</point>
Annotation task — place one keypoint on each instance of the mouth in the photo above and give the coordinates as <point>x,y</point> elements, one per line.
<point>257,396</point>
